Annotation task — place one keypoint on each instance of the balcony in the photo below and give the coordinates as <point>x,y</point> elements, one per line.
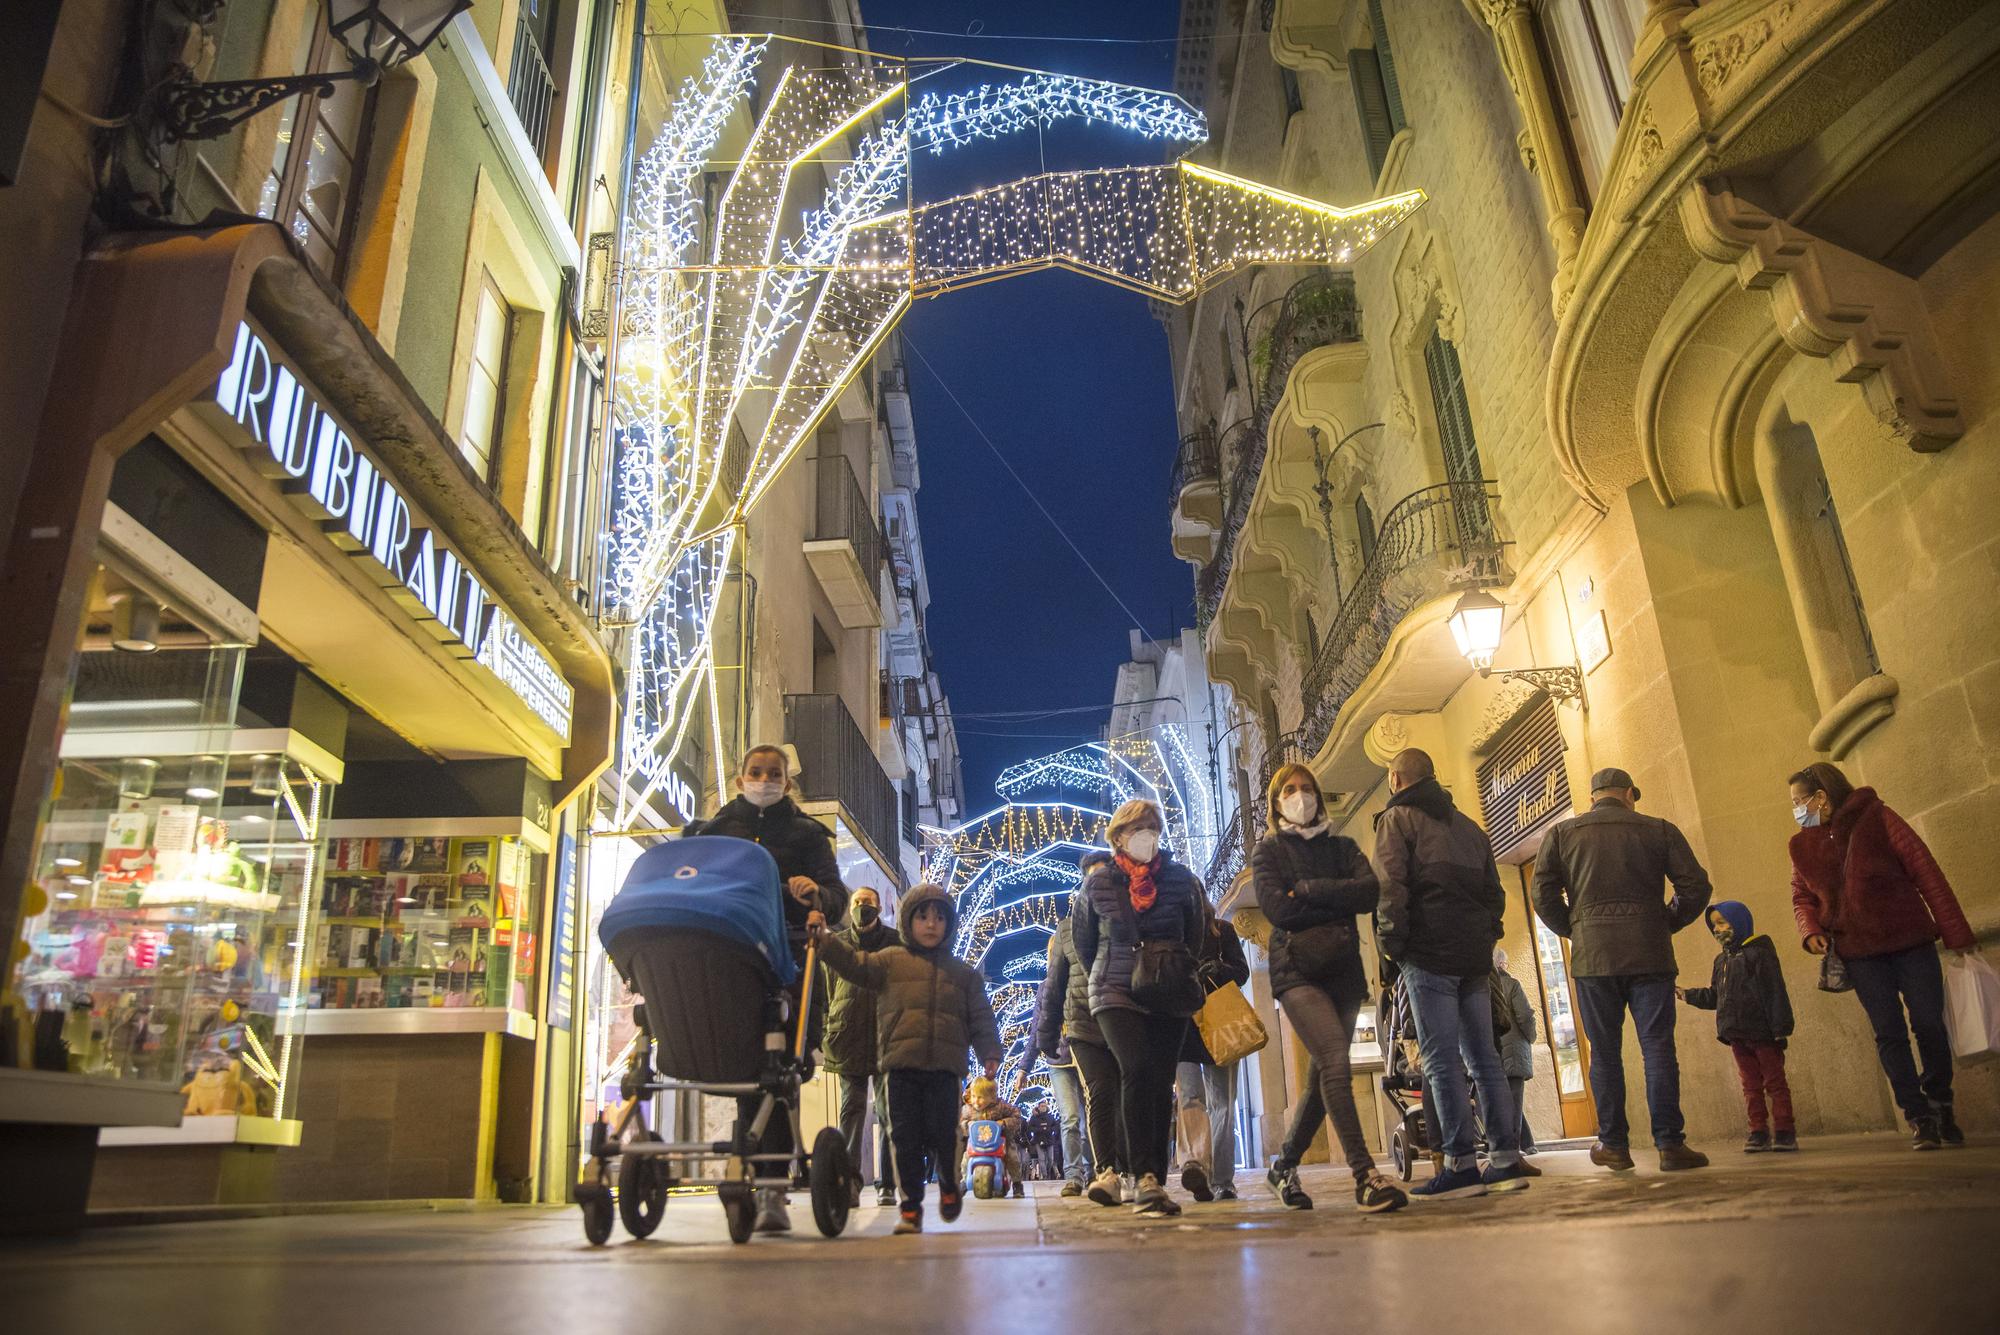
<point>1433,544</point>
<point>530,86</point>
<point>847,550</point>
<point>836,764</point>
<point>1196,487</point>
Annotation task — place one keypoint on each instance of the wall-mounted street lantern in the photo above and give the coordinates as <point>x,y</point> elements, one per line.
<point>1477,623</point>
<point>378,35</point>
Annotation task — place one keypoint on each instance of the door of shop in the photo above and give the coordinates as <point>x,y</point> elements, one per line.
<point>1563,1030</point>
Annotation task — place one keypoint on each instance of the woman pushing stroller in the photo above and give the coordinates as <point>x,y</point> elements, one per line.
<point>931,1006</point>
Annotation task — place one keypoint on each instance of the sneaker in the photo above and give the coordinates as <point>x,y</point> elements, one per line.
<point>1615,1157</point>
<point>910,1219</point>
<point>950,1202</point>
<point>1451,1185</point>
<point>1105,1189</point>
<point>772,1216</point>
<point>885,1198</point>
<point>1152,1199</point>
<point>1020,1190</point>
<point>1514,1177</point>
<point>1376,1194</point>
<point>1194,1181</point>
<point>1679,1158</point>
<point>1785,1142</point>
<point>1925,1134</point>
<point>1949,1130</point>
<point>1072,1188</point>
<point>1757,1142</point>
<point>1284,1180</point>
<point>1225,1193</point>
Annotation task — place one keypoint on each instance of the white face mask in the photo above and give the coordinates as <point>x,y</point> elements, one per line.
<point>1141,846</point>
<point>1805,816</point>
<point>1299,807</point>
<point>762,793</point>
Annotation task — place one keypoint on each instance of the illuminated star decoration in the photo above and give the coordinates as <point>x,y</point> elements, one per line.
<point>1012,871</point>
<point>772,241</point>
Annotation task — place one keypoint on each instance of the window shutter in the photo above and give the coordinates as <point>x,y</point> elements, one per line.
<point>1392,92</point>
<point>1371,106</point>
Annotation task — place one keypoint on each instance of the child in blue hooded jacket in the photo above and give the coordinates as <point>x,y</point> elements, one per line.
<point>1753,1015</point>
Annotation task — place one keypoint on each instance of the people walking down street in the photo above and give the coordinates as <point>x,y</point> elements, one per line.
<point>1205,1093</point>
<point>850,1047</point>
<point>1312,884</point>
<point>1438,920</point>
<point>1517,1044</point>
<point>984,1104</point>
<point>1052,1005</point>
<point>763,812</point>
<point>930,1008</point>
<point>1600,880</point>
<point>1866,888</point>
<point>1043,1137</point>
<point>1096,1064</point>
<point>1753,1016</point>
<point>1137,926</point>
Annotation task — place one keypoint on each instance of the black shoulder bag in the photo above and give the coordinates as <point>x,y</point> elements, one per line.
<point>1165,980</point>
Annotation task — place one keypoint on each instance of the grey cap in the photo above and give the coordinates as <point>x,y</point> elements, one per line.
<point>1613,778</point>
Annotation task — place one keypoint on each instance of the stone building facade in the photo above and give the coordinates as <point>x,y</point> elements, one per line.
<point>1681,362</point>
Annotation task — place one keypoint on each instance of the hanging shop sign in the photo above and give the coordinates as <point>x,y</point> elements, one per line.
<point>1523,782</point>
<point>293,437</point>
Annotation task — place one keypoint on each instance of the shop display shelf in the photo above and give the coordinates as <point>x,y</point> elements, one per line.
<point>422,1020</point>
<point>218,1129</point>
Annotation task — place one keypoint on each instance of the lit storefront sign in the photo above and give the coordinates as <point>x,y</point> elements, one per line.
<point>1523,784</point>
<point>311,454</point>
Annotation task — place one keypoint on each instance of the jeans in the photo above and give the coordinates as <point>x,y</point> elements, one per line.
<point>1516,1087</point>
<point>1885,985</point>
<point>1067,1085</point>
<point>1326,1028</point>
<point>923,1127</point>
<point>1098,1070</point>
<point>1761,1068</point>
<point>854,1116</point>
<point>777,1137</point>
<point>1148,1049</point>
<point>1207,1101</point>
<point>1603,1001</point>
<point>1454,1019</point>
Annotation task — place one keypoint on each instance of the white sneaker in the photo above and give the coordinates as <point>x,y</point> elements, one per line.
<point>1106,1189</point>
<point>772,1216</point>
<point>1152,1198</point>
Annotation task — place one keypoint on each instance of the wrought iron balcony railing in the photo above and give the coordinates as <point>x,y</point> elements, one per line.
<point>842,512</point>
<point>530,86</point>
<point>1196,462</point>
<point>1435,540</point>
<point>836,764</point>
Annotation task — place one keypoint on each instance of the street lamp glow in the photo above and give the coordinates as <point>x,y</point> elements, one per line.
<point>1476,624</point>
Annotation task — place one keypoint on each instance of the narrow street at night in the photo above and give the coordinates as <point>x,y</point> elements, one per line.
<point>1755,1245</point>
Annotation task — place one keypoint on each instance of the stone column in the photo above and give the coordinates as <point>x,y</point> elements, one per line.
<point>1543,143</point>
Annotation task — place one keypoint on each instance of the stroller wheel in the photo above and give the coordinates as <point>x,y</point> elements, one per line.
<point>1399,1153</point>
<point>595,1199</point>
<point>642,1191</point>
<point>739,1207</point>
<point>832,1182</point>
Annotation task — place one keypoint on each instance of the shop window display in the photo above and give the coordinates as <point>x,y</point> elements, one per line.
<point>426,921</point>
<point>173,893</point>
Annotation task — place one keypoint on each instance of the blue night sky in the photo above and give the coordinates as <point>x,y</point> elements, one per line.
<point>1070,379</point>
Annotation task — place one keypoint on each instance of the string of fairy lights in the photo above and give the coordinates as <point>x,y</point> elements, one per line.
<point>1012,871</point>
<point>771,242</point>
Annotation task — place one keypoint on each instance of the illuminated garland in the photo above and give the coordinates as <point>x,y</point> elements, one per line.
<point>752,288</point>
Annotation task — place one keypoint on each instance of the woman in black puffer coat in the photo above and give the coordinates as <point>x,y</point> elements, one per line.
<point>1312,884</point>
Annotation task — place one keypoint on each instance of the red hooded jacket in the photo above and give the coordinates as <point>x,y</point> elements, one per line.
<point>1867,881</point>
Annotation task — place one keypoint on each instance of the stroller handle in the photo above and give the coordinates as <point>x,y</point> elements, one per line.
<point>806,999</point>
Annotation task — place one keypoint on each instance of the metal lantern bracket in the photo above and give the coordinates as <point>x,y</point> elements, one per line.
<point>1562,684</point>
<point>190,109</point>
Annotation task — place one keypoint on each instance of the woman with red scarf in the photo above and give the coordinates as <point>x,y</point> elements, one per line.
<point>1141,895</point>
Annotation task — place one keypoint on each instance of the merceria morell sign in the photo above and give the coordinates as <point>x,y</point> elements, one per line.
<point>362,510</point>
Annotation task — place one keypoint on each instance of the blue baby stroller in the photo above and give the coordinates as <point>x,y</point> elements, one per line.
<point>698,932</point>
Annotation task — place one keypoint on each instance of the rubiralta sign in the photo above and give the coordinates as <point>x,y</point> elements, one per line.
<point>1523,785</point>
<point>296,439</point>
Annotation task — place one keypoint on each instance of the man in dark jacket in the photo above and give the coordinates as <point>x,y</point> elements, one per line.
<point>1600,880</point>
<point>1062,1003</point>
<point>1753,1016</point>
<point>850,1044</point>
<point>1438,919</point>
<point>763,812</point>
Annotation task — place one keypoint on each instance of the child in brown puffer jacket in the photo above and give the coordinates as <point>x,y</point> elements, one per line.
<point>930,1007</point>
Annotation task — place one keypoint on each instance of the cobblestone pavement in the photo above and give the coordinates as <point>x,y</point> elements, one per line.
<point>1857,1235</point>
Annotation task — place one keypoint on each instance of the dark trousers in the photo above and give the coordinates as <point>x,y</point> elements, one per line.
<point>923,1128</point>
<point>1886,985</point>
<point>1326,1029</point>
<point>854,1091</point>
<point>1761,1068</point>
<point>1603,1001</point>
<point>1099,1071</point>
<point>1148,1049</point>
<point>777,1138</point>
